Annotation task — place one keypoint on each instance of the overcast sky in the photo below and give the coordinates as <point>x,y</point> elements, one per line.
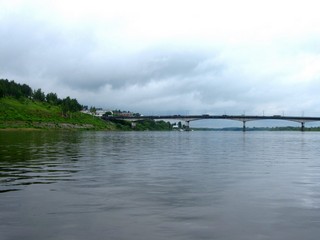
<point>168,56</point>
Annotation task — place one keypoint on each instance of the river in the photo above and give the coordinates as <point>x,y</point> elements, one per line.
<point>159,185</point>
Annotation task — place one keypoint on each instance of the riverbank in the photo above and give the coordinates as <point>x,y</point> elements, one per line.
<point>30,114</point>
<point>27,114</point>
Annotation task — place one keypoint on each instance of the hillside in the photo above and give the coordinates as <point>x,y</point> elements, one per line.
<point>22,107</point>
<point>27,113</point>
<point>32,114</point>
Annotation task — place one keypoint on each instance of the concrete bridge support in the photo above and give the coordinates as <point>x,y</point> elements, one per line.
<point>187,125</point>
<point>302,126</point>
<point>244,126</point>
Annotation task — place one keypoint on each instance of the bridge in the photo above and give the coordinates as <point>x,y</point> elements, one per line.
<point>242,118</point>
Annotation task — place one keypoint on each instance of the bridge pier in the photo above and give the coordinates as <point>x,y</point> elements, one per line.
<point>244,126</point>
<point>187,126</point>
<point>302,126</point>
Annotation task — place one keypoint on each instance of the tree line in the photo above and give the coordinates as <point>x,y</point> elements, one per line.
<point>17,91</point>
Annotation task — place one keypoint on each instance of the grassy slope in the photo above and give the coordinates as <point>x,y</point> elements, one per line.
<point>25,113</point>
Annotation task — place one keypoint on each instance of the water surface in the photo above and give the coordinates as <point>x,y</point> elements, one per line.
<point>159,185</point>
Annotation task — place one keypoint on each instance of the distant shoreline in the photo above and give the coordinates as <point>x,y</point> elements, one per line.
<point>19,129</point>
<point>254,129</point>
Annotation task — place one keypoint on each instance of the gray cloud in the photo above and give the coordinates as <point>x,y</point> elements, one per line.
<point>126,62</point>
<point>33,48</point>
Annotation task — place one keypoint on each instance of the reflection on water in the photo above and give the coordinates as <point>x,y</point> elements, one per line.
<point>159,185</point>
<point>36,158</point>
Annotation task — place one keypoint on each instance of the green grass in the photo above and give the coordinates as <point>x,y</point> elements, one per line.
<point>26,113</point>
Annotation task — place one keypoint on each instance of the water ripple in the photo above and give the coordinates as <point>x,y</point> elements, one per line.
<point>160,185</point>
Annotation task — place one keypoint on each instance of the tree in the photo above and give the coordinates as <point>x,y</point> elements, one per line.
<point>2,89</point>
<point>26,90</point>
<point>13,89</point>
<point>52,98</point>
<point>39,95</point>
<point>74,105</point>
<point>65,106</point>
<point>108,114</point>
<point>69,105</point>
<point>93,110</point>
<point>16,90</point>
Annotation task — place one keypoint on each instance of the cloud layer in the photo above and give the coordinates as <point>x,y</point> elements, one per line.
<point>168,56</point>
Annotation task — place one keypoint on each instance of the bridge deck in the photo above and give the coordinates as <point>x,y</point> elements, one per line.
<point>243,118</point>
<point>229,117</point>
